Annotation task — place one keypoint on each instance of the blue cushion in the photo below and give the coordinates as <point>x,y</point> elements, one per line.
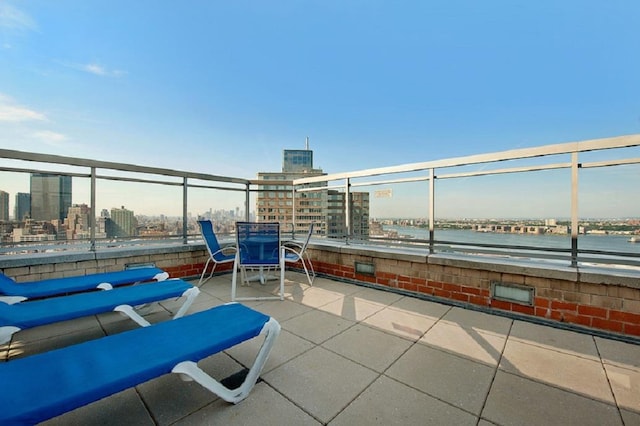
<point>47,311</point>
<point>55,286</point>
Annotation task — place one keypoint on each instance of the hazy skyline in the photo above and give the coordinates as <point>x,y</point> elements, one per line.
<point>223,87</point>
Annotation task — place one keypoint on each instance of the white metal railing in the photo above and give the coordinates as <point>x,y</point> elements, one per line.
<point>541,159</point>
<point>347,181</point>
<point>110,171</point>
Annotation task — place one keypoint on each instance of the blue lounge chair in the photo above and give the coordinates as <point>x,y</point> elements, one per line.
<point>12,291</point>
<point>20,316</point>
<point>51,383</point>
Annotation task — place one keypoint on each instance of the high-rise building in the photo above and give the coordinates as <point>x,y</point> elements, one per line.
<point>123,223</point>
<point>4,205</point>
<point>22,207</point>
<point>50,196</point>
<point>275,197</point>
<point>78,222</point>
<point>325,208</point>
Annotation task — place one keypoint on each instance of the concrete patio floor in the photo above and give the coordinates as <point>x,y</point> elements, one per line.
<point>352,355</point>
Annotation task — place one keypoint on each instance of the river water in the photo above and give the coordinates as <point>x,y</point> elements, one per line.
<point>611,243</point>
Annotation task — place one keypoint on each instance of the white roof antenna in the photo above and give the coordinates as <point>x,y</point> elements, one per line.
<point>307,144</point>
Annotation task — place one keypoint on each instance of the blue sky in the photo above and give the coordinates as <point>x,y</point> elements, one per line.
<point>223,87</point>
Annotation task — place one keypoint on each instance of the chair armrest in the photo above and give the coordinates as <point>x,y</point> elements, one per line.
<point>228,249</point>
<point>289,244</point>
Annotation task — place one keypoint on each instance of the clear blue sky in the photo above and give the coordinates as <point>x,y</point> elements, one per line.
<point>223,87</point>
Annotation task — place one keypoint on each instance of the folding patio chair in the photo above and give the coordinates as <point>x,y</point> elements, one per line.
<point>295,252</point>
<point>11,291</point>
<point>48,384</point>
<point>217,255</point>
<point>258,247</point>
<point>20,316</point>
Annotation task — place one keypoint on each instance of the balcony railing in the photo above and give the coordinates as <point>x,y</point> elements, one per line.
<point>419,187</point>
<point>577,158</point>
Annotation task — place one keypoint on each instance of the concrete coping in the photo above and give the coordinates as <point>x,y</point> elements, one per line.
<point>553,269</point>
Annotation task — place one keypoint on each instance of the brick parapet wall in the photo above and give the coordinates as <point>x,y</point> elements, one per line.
<point>609,302</point>
<point>593,299</point>
<point>179,261</point>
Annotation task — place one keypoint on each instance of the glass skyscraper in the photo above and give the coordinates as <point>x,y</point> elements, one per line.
<point>4,205</point>
<point>22,206</point>
<point>50,196</point>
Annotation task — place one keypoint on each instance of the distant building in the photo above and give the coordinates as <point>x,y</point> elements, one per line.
<point>50,196</point>
<point>22,206</point>
<point>4,206</point>
<point>78,224</point>
<point>325,208</point>
<point>123,223</point>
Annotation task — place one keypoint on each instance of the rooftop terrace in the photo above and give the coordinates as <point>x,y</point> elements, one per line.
<point>350,354</point>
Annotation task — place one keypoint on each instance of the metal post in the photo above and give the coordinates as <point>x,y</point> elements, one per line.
<point>246,203</point>
<point>92,216</point>
<point>431,208</point>
<point>574,209</point>
<point>184,210</point>
<point>347,209</point>
<point>293,212</point>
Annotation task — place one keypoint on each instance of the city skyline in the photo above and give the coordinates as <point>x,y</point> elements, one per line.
<point>372,84</point>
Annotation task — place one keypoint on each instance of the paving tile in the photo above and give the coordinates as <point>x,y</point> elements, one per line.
<point>56,329</point>
<point>514,400</point>
<point>315,297</point>
<point>352,308</point>
<point>204,304</point>
<point>467,342</point>
<point>630,417</point>
<point>344,289</point>
<point>369,347</point>
<point>286,347</point>
<point>479,321</point>
<point>387,402</point>
<point>19,349</point>
<point>421,307</point>
<point>320,381</point>
<point>281,310</point>
<point>557,339</point>
<point>377,296</point>
<point>399,322</point>
<point>568,372</point>
<point>263,407</point>
<point>622,354</point>
<point>316,326</point>
<point>120,408</point>
<point>625,384</point>
<point>457,381</point>
<point>170,398</point>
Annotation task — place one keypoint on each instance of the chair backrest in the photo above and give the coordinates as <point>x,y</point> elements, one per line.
<point>206,228</point>
<point>258,243</point>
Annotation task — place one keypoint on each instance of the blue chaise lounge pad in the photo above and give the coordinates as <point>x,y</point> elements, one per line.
<point>45,311</point>
<point>45,385</point>
<point>45,288</point>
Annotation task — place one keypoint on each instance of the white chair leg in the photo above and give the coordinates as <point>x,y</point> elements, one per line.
<point>206,265</point>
